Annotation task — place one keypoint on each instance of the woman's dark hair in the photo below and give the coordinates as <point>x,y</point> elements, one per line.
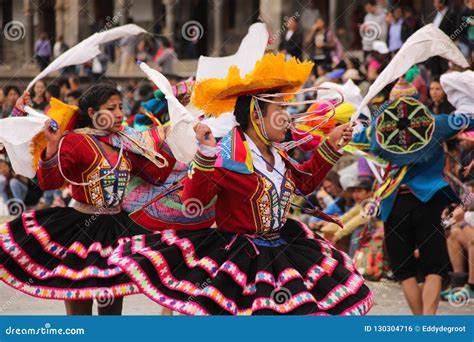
<point>145,92</point>
<point>355,62</point>
<point>242,110</point>
<point>334,178</point>
<point>9,88</point>
<point>165,42</point>
<point>53,89</point>
<point>436,79</point>
<point>93,98</point>
<point>64,82</point>
<point>75,93</point>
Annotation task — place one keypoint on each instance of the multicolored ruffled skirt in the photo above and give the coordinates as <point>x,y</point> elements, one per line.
<point>60,253</point>
<point>212,272</point>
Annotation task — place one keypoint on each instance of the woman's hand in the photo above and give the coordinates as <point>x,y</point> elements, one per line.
<point>53,136</point>
<point>204,135</point>
<point>50,134</point>
<point>23,100</point>
<point>341,135</point>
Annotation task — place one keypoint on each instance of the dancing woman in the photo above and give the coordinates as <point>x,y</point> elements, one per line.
<point>257,261</point>
<point>61,253</point>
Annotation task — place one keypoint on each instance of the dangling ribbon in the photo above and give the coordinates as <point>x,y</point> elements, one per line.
<point>387,188</point>
<point>249,237</point>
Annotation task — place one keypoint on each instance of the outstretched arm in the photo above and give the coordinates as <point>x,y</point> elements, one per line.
<point>312,172</point>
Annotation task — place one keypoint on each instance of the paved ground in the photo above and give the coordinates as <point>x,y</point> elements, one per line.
<point>388,301</point>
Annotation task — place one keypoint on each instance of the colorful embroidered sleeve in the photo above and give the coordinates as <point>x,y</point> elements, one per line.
<point>147,170</point>
<point>49,177</point>
<point>312,172</point>
<point>201,185</point>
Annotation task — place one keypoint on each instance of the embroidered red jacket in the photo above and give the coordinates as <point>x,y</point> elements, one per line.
<point>83,159</point>
<point>247,201</point>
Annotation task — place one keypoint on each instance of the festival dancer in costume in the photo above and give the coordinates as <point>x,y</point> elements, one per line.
<point>257,261</point>
<point>61,253</point>
<point>414,192</point>
<point>404,133</point>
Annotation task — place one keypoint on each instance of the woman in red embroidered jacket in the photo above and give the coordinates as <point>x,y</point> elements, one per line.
<point>61,253</point>
<point>257,261</point>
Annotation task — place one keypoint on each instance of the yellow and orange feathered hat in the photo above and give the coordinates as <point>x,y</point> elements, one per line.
<point>272,73</point>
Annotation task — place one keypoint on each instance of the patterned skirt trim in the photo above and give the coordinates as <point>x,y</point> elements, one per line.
<point>60,253</point>
<point>27,263</point>
<point>45,292</point>
<point>141,279</point>
<point>328,265</point>
<point>41,234</point>
<point>168,290</point>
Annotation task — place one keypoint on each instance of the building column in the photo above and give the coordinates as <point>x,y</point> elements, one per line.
<point>59,9</point>
<point>332,14</point>
<point>271,13</point>
<point>217,27</point>
<point>76,21</point>
<point>29,29</point>
<point>83,27</point>
<point>169,14</point>
<point>71,21</point>
<point>123,7</point>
